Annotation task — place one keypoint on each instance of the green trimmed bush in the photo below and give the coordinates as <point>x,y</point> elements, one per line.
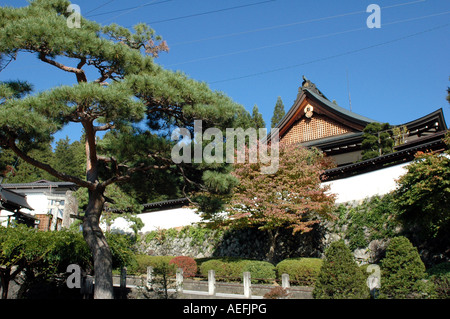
<point>301,271</point>
<point>227,269</point>
<point>261,271</point>
<point>139,267</point>
<point>231,269</point>
<point>340,277</point>
<point>402,270</point>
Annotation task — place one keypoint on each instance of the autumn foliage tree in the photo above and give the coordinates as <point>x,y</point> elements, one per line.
<point>293,197</point>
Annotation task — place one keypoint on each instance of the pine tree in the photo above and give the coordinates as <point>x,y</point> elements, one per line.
<point>128,89</point>
<point>278,113</point>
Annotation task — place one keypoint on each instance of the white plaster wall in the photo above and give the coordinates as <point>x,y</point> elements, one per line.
<point>163,219</point>
<point>358,187</point>
<point>38,202</point>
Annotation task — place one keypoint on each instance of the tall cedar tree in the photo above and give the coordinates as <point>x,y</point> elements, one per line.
<point>293,197</point>
<point>278,113</point>
<point>257,118</point>
<point>128,87</point>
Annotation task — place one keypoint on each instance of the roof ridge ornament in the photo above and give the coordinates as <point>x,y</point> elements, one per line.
<point>307,84</point>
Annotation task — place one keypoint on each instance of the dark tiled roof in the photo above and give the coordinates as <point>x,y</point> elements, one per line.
<point>338,110</point>
<point>40,184</point>
<point>12,201</point>
<point>167,203</point>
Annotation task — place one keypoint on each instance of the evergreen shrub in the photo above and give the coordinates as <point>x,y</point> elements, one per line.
<point>139,267</point>
<point>231,269</point>
<point>301,271</point>
<point>340,277</point>
<point>440,276</point>
<point>402,271</point>
<point>261,271</point>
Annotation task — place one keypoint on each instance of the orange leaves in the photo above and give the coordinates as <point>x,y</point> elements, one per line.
<point>292,197</point>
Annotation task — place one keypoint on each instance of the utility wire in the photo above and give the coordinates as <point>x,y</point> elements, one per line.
<point>288,24</point>
<point>100,6</point>
<point>303,39</point>
<point>126,9</point>
<point>332,56</point>
<point>209,12</point>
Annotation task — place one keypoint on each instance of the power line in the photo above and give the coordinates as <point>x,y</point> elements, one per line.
<point>332,56</point>
<point>301,40</point>
<point>288,24</point>
<point>100,6</point>
<point>210,12</point>
<point>130,8</point>
<point>137,7</point>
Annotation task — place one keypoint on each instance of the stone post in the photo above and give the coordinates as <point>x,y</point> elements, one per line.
<point>211,282</point>
<point>179,280</point>
<point>149,277</point>
<point>123,281</point>
<point>247,285</point>
<point>285,281</point>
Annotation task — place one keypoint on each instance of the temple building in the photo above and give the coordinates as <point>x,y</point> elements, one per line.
<point>315,121</point>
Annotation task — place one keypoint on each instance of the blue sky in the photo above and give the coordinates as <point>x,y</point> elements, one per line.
<point>257,50</point>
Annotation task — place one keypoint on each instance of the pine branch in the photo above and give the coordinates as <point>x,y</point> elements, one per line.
<point>65,177</point>
<point>128,174</point>
<point>81,76</point>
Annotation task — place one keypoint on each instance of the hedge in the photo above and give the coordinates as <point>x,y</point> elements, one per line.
<point>231,269</point>
<point>139,267</point>
<point>301,271</point>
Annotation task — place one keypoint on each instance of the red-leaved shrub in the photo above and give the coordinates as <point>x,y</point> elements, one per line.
<point>188,265</point>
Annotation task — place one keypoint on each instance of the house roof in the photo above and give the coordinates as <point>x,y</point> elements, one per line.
<point>340,111</point>
<point>41,184</point>
<point>170,203</point>
<point>12,201</point>
<point>432,121</point>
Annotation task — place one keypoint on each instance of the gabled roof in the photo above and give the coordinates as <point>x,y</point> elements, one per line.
<point>309,93</point>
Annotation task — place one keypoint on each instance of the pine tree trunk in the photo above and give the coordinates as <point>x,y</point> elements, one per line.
<point>96,241</point>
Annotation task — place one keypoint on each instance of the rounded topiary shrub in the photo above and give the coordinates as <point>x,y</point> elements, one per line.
<point>188,264</point>
<point>301,271</point>
<point>340,277</point>
<point>143,261</point>
<point>402,270</point>
<point>260,271</point>
<point>222,269</point>
<point>231,269</point>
